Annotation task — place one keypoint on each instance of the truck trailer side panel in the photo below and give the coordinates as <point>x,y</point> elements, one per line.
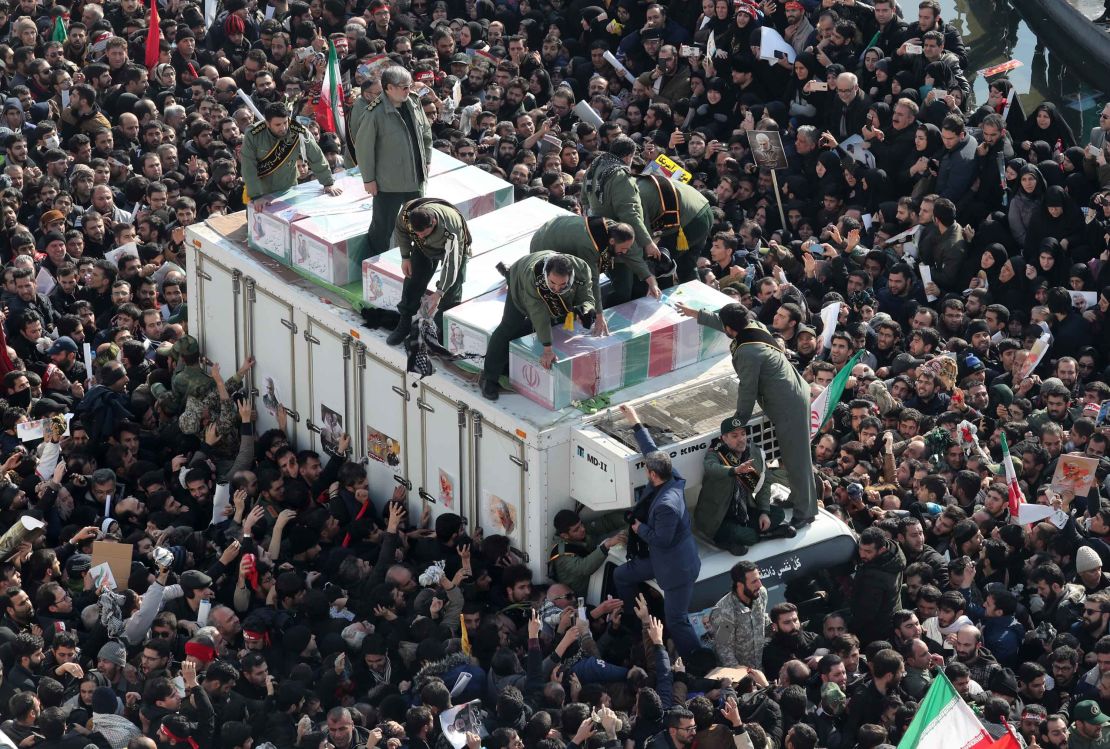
<point>217,319</point>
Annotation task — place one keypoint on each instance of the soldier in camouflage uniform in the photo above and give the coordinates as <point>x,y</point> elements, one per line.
<point>189,379</point>
<point>430,231</point>
<point>542,286</point>
<point>610,191</point>
<point>270,153</point>
<point>682,216</point>
<point>607,245</point>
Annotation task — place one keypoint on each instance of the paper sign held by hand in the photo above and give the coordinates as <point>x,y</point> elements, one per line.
<point>586,113</point>
<point>830,314</point>
<point>102,575</point>
<point>118,558</point>
<point>44,282</point>
<point>609,58</point>
<point>926,279</point>
<point>772,47</point>
<point>1074,473</point>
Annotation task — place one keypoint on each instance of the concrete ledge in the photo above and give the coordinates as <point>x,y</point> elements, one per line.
<point>1085,45</point>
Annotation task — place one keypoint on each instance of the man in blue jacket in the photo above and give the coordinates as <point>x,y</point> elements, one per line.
<point>662,544</point>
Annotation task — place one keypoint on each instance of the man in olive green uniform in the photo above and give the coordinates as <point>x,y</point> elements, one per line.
<point>393,148</point>
<point>430,231</point>
<point>368,91</point>
<point>544,286</point>
<point>270,152</point>
<point>189,378</point>
<point>580,548</point>
<point>766,375</point>
<point>610,190</point>
<point>1089,730</point>
<point>682,214</point>
<point>607,245</point>
<point>734,506</point>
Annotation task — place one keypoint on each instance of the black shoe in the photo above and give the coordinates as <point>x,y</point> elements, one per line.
<point>781,531</point>
<point>737,550</point>
<point>490,390</point>
<point>401,332</point>
<point>799,523</point>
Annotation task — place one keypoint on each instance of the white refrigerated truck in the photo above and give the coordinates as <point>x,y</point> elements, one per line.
<point>507,466</point>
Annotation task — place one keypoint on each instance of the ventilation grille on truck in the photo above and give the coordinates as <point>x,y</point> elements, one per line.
<point>689,412</point>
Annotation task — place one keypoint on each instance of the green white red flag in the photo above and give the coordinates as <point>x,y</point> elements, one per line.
<point>1008,740</point>
<point>329,109</point>
<point>944,721</point>
<point>1016,498</point>
<point>821,409</point>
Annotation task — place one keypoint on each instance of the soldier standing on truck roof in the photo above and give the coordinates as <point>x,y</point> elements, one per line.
<point>608,246</point>
<point>682,215</point>
<point>543,286</point>
<point>610,191</point>
<point>270,152</point>
<point>430,231</point>
<point>649,203</point>
<point>393,148</point>
<point>766,375</point>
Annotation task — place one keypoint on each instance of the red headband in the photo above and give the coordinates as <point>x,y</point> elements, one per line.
<point>251,634</point>
<point>200,651</point>
<point>178,739</point>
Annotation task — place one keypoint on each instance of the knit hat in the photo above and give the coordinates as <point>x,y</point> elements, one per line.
<point>52,236</point>
<point>104,701</point>
<point>234,25</point>
<point>1003,681</point>
<point>976,326</point>
<point>113,652</point>
<point>945,369</point>
<point>1087,559</point>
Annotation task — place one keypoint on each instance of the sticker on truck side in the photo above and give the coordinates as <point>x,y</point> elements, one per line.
<point>591,459</point>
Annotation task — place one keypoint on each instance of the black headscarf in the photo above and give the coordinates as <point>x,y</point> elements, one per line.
<point>998,253</point>
<point>1058,129</point>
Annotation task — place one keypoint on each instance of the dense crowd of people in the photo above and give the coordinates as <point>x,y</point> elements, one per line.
<point>271,600</point>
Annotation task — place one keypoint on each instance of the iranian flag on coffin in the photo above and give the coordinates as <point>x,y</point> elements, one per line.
<point>944,721</point>
<point>329,109</point>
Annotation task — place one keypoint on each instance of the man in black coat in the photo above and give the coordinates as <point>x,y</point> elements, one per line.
<point>847,112</point>
<point>788,640</point>
<point>877,587</point>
